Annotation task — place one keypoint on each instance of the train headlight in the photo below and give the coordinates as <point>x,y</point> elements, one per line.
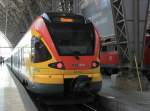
<point>57,65</point>
<point>95,64</point>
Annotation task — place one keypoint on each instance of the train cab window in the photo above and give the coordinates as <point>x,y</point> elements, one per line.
<point>116,48</point>
<point>111,48</point>
<point>104,49</point>
<point>39,51</point>
<point>73,38</point>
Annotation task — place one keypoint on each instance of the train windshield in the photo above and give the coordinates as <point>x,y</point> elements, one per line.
<point>73,39</point>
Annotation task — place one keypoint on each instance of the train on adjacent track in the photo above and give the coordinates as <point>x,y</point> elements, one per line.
<point>146,57</point>
<point>110,57</point>
<point>60,53</point>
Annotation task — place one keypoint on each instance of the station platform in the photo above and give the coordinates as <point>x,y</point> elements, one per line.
<point>124,100</point>
<point>10,96</point>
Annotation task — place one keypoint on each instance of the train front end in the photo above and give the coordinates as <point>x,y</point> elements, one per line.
<point>65,55</point>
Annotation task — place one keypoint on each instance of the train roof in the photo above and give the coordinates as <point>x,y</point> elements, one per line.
<point>53,16</point>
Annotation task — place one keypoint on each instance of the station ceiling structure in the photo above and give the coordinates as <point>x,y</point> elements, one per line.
<point>130,20</point>
<point>17,15</point>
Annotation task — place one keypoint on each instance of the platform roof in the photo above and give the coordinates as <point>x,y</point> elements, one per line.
<point>17,15</point>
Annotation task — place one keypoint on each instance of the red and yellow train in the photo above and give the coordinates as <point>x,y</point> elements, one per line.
<point>58,54</point>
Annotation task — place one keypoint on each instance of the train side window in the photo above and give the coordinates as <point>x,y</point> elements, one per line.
<point>148,44</point>
<point>111,48</point>
<point>39,52</point>
<point>104,49</point>
<point>116,48</point>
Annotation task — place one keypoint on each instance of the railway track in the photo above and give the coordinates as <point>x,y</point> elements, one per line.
<point>44,104</point>
<point>87,107</point>
<point>75,107</point>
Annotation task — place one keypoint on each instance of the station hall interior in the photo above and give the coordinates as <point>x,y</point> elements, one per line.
<point>74,55</point>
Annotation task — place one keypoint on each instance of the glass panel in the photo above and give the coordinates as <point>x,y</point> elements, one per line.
<point>104,49</point>
<point>111,48</point>
<point>38,51</point>
<point>115,48</point>
<point>73,38</point>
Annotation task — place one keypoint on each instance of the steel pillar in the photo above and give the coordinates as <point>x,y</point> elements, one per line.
<point>55,5</point>
<point>27,3</point>
<point>76,6</point>
<point>130,18</point>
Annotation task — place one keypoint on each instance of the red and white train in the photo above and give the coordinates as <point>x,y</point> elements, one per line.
<point>110,57</point>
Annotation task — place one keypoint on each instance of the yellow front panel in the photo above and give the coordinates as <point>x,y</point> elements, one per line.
<point>47,75</point>
<point>48,79</point>
<point>97,77</point>
<point>59,79</point>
